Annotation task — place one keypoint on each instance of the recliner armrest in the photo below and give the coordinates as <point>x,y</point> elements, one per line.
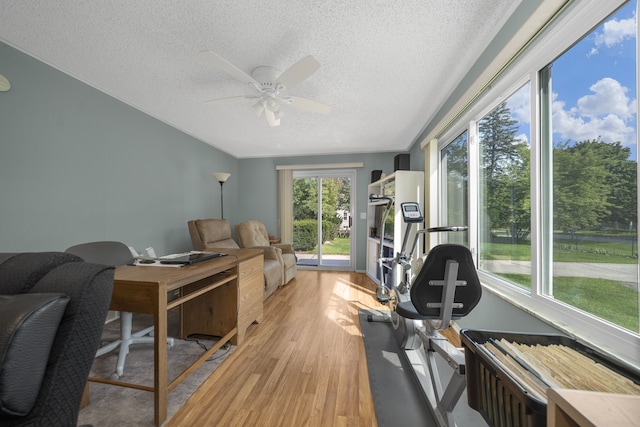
<point>287,248</point>
<point>271,252</point>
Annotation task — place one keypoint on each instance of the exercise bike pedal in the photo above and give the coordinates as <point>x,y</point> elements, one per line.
<point>383,296</point>
<point>383,299</point>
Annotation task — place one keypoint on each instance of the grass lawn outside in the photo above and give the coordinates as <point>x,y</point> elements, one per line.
<point>595,252</point>
<point>338,246</point>
<point>607,299</point>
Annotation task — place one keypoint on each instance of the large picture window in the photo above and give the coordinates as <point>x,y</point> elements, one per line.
<point>594,182</point>
<point>505,202</point>
<point>550,189</point>
<point>454,159</point>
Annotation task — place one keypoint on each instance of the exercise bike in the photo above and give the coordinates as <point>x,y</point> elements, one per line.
<point>402,264</point>
<point>446,287</point>
<point>398,290</point>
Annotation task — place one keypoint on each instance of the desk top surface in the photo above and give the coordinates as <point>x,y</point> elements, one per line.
<point>178,276</point>
<point>589,408</point>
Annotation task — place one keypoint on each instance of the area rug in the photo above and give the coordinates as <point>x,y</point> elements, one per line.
<point>396,396</point>
<point>120,406</point>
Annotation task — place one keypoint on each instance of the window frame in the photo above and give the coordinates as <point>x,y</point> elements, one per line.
<point>577,20</point>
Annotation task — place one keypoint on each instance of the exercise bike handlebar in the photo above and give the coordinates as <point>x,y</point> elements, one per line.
<point>435,230</point>
<point>447,228</point>
<point>382,292</point>
<point>381,198</point>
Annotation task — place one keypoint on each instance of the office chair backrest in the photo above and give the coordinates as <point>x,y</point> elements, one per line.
<point>424,294</point>
<point>107,252</point>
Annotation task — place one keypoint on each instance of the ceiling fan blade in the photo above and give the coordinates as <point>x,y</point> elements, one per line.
<point>271,118</point>
<point>227,66</point>
<point>309,105</point>
<point>231,100</point>
<point>298,72</point>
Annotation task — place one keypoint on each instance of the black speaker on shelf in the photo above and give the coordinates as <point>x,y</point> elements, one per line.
<point>376,175</point>
<point>401,162</point>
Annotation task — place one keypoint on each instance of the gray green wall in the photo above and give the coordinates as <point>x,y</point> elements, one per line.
<point>77,165</point>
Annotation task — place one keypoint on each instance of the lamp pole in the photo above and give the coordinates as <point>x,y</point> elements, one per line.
<point>221,177</point>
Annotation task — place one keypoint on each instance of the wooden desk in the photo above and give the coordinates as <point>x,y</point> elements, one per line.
<point>250,291</point>
<point>580,408</point>
<point>200,290</point>
<point>250,288</point>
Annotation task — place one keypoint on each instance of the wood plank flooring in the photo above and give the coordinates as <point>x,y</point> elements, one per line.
<point>303,365</point>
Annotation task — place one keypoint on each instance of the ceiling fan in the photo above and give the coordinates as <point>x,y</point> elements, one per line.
<point>271,85</point>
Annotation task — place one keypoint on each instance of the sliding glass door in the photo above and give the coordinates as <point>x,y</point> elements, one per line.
<point>322,218</point>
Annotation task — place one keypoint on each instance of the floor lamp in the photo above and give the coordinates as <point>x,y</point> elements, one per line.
<point>222,177</point>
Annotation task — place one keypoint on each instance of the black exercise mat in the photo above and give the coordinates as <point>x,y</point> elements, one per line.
<point>397,398</point>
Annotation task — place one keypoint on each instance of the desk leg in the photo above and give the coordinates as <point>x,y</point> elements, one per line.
<point>160,355</point>
<point>86,399</point>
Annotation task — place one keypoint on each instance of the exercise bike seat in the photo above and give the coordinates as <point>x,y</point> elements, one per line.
<point>428,289</point>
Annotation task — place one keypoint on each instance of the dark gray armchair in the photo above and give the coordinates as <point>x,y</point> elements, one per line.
<point>54,307</point>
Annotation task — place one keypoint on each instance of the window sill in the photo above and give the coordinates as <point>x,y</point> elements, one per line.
<point>621,345</point>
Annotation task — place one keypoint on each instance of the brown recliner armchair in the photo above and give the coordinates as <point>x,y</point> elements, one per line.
<point>216,233</point>
<point>253,234</point>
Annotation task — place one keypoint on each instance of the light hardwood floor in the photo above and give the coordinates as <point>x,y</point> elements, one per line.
<point>303,365</point>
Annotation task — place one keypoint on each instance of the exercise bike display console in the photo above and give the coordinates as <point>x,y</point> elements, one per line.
<point>411,212</point>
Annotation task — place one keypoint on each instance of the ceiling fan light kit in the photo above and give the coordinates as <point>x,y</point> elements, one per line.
<point>4,84</point>
<point>271,84</point>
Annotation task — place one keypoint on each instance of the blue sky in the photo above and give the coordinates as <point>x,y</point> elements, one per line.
<point>594,85</point>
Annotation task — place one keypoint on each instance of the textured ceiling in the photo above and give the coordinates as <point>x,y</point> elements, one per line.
<point>386,65</point>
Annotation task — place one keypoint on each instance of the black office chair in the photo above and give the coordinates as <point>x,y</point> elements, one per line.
<point>115,253</point>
